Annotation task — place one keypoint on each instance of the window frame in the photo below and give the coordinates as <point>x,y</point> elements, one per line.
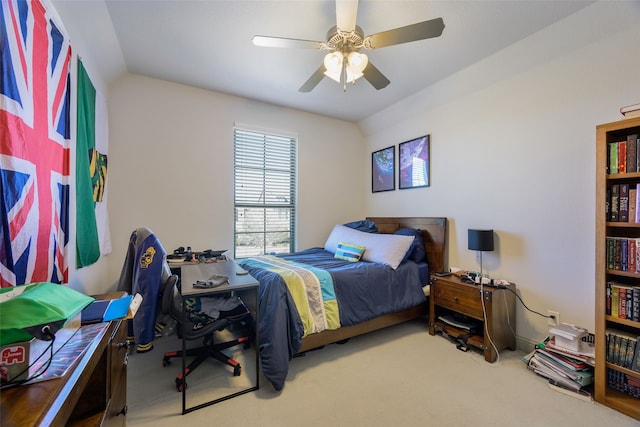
<point>264,160</point>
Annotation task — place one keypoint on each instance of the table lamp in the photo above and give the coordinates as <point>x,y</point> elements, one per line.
<point>480,240</point>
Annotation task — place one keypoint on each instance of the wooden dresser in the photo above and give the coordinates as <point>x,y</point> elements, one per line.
<point>90,393</point>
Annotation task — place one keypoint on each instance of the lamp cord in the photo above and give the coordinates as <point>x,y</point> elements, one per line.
<point>484,314</point>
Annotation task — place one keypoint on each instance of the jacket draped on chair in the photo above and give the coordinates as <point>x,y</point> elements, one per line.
<point>144,271</point>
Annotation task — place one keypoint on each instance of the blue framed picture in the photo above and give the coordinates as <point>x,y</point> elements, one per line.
<point>413,158</point>
<point>383,172</point>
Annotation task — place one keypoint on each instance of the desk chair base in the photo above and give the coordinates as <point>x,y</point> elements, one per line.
<point>202,353</point>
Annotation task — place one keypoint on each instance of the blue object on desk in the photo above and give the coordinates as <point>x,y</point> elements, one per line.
<point>106,310</point>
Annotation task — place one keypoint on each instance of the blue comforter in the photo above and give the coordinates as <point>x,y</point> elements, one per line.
<point>364,290</point>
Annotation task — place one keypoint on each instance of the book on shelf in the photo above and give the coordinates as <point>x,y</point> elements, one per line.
<point>613,158</point>
<point>622,254</point>
<point>616,253</point>
<point>623,382</point>
<point>635,361</point>
<point>622,203</point>
<point>636,218</point>
<point>615,300</point>
<point>637,152</point>
<point>622,156</point>
<point>615,202</point>
<point>630,111</point>
<point>621,348</point>
<point>632,165</point>
<point>622,301</point>
<point>610,251</point>
<point>623,209</point>
<point>633,203</point>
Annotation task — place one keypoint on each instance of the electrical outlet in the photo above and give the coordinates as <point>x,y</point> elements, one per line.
<point>555,320</point>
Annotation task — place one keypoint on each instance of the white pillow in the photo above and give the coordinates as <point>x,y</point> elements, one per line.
<point>387,249</point>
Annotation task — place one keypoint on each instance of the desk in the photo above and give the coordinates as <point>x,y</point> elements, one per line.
<point>243,284</point>
<point>92,392</point>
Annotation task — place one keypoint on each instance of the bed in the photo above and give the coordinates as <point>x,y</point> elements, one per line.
<point>355,297</point>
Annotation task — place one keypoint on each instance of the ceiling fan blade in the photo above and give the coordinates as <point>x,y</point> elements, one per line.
<point>266,41</point>
<point>375,77</point>
<point>346,13</point>
<point>419,31</point>
<point>313,80</point>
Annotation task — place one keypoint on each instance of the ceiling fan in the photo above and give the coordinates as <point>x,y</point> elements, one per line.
<point>344,63</point>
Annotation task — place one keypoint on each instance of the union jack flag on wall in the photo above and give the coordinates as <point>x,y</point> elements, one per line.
<point>35,58</point>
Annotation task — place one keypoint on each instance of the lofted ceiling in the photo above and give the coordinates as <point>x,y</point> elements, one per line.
<point>207,44</point>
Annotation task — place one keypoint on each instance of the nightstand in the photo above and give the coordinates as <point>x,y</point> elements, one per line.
<point>494,308</point>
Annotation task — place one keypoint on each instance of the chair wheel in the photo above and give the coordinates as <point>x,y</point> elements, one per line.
<point>180,385</point>
<point>237,370</point>
<point>246,345</point>
<point>166,361</point>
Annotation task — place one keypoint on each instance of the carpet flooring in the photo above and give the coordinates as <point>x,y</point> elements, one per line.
<point>399,376</point>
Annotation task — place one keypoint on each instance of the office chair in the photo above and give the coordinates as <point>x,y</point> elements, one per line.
<point>190,330</point>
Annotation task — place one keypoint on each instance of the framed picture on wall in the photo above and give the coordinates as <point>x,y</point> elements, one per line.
<point>383,172</point>
<point>413,157</point>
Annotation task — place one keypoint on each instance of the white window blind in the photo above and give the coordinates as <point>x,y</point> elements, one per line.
<point>264,193</point>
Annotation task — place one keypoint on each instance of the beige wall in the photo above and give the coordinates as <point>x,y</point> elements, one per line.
<point>171,165</point>
<point>513,142</point>
<point>513,149</point>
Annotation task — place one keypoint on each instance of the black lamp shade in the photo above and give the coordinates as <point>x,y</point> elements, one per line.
<point>480,240</point>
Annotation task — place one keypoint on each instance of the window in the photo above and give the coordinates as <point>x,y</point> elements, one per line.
<point>264,193</point>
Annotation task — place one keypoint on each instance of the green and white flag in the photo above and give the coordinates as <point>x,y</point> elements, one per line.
<point>92,223</point>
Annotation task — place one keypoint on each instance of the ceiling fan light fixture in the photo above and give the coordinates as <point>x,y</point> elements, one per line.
<point>333,75</point>
<point>357,62</point>
<point>344,40</point>
<point>333,65</point>
<point>352,77</point>
<point>333,62</point>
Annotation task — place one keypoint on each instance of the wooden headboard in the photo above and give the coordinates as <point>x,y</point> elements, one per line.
<point>434,232</point>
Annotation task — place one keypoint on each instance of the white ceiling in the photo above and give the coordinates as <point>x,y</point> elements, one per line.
<point>207,44</point>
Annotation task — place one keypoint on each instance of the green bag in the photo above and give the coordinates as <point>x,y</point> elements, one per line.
<point>25,310</point>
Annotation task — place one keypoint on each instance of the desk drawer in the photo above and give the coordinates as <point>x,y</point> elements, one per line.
<point>464,300</point>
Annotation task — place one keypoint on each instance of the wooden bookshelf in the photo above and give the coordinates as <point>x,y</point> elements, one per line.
<point>603,391</point>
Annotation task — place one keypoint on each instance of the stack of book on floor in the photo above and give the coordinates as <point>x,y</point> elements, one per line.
<point>569,368</point>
